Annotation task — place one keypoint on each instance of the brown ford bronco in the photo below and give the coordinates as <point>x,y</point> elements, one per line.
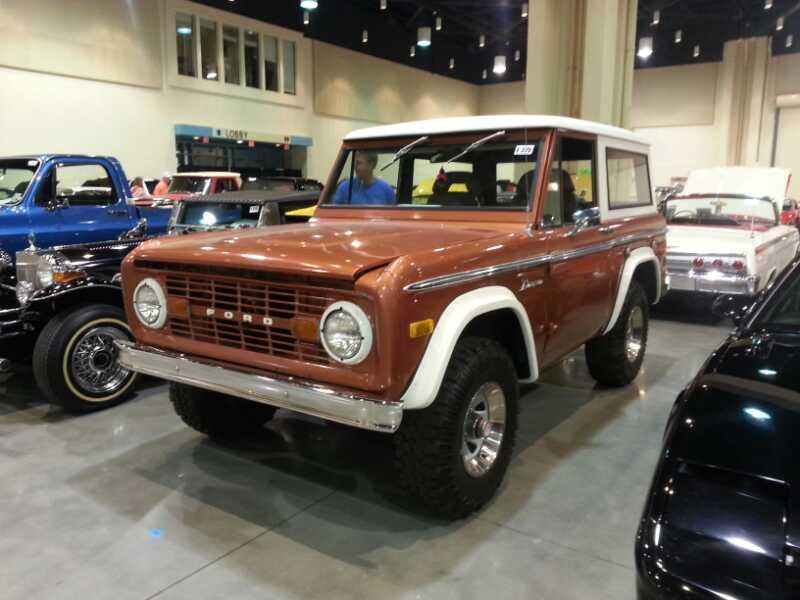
<point>418,297</point>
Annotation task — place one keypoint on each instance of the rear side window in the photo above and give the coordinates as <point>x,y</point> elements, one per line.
<point>628,179</point>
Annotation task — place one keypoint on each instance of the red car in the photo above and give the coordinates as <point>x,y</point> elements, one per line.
<point>185,185</point>
<point>791,213</point>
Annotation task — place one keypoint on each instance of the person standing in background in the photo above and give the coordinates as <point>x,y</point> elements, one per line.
<point>162,187</point>
<point>137,188</point>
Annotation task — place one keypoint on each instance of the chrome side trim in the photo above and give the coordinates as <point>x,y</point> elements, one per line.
<point>529,263</point>
<point>272,389</point>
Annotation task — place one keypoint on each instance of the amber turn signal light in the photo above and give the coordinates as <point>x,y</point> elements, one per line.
<point>67,276</point>
<point>420,328</point>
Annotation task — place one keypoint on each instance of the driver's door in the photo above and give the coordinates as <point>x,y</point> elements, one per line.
<point>80,204</point>
<point>579,276</point>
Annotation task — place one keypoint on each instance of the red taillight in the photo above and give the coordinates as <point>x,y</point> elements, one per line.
<point>738,265</point>
<point>718,264</point>
<point>698,263</point>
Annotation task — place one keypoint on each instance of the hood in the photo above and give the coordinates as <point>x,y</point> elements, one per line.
<point>98,254</point>
<point>340,249</point>
<point>695,239</point>
<point>750,181</point>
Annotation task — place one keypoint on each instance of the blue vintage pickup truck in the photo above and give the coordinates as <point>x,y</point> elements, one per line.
<point>67,199</point>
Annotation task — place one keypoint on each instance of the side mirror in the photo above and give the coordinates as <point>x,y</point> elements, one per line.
<point>581,223</point>
<point>137,231</point>
<point>732,307</point>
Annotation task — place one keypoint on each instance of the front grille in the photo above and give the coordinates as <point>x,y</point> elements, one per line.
<point>239,306</point>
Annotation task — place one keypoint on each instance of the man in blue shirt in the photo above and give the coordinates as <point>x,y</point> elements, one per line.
<point>366,188</point>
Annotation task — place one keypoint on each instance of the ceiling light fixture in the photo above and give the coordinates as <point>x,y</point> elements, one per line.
<point>423,37</point>
<point>452,63</point>
<point>438,23</point>
<point>309,4</point>
<point>306,17</point>
<point>211,75</point>
<point>517,55</point>
<point>364,36</point>
<point>499,65</point>
<point>384,4</point>
<point>184,30</point>
<point>679,36</point>
<point>482,41</point>
<point>779,24</point>
<point>767,4</point>
<point>696,51</point>
<point>656,17</point>
<point>789,40</point>
<point>524,10</point>
<point>484,75</point>
<point>413,52</point>
<point>645,50</point>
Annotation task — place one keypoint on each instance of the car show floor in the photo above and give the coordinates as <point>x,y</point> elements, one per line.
<point>131,504</point>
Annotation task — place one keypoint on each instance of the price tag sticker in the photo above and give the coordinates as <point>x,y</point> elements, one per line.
<point>524,150</point>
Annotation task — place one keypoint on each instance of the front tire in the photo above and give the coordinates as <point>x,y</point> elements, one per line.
<point>615,359</point>
<point>452,455</point>
<point>219,416</point>
<point>75,360</point>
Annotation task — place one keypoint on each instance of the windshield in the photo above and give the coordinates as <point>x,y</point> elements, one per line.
<point>784,313</point>
<point>189,185</point>
<point>721,210</point>
<point>440,176</point>
<point>15,177</point>
<point>221,214</point>
<point>266,184</point>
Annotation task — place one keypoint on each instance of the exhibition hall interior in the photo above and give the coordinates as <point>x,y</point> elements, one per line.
<point>414,299</point>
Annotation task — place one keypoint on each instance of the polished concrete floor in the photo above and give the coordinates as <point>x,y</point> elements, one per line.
<point>129,503</point>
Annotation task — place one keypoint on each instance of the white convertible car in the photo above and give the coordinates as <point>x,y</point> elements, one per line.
<point>724,232</point>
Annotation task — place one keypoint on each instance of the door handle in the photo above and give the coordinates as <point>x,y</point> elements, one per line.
<point>117,211</point>
<point>608,229</point>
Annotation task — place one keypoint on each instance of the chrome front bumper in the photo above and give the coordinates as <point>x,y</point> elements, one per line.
<point>273,389</point>
<point>715,283</point>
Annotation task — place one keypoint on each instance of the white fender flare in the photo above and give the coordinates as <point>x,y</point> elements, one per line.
<point>636,258</point>
<point>425,384</point>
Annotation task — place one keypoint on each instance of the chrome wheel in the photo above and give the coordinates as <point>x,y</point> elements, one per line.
<point>484,427</point>
<point>634,334</point>
<point>94,365</point>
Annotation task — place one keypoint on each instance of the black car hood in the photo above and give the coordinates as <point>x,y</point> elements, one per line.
<point>98,254</point>
<point>767,357</point>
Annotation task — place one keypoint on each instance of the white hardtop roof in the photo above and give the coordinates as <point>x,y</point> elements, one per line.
<point>494,123</point>
<point>208,174</point>
<point>750,181</point>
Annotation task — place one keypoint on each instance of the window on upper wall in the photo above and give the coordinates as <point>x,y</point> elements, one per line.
<point>252,70</point>
<point>208,49</point>
<point>628,179</point>
<point>270,63</point>
<point>185,40</point>
<point>289,61</point>
<point>570,189</point>
<point>230,54</point>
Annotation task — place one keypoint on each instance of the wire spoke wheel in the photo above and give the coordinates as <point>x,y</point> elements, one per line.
<point>484,428</point>
<point>93,364</point>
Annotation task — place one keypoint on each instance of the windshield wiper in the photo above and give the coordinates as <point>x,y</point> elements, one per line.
<point>404,150</point>
<point>474,145</point>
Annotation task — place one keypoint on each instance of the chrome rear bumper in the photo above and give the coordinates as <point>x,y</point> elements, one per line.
<point>715,283</point>
<point>273,389</point>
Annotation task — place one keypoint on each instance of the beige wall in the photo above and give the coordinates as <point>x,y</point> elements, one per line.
<point>109,40</point>
<point>787,74</point>
<point>353,85</point>
<point>502,98</point>
<point>674,96</point>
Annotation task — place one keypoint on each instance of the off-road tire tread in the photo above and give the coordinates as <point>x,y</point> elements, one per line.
<point>605,355</point>
<point>48,356</point>
<point>216,415</point>
<point>427,438</point>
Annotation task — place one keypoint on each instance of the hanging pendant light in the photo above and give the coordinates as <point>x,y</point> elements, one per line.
<point>696,52</point>
<point>438,23</point>
<point>524,12</point>
<point>656,17</point>
<point>645,50</point>
<point>309,4</point>
<point>423,37</point>
<point>779,24</point>
<point>767,4</point>
<point>679,36</point>
<point>482,41</point>
<point>484,75</point>
<point>517,55</point>
<point>413,52</point>
<point>364,36</point>
<point>452,63</point>
<point>384,4</point>
<point>789,40</point>
<point>499,65</point>
<point>306,17</point>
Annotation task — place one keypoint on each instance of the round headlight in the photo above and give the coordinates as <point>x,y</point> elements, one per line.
<point>44,273</point>
<point>346,333</point>
<point>150,303</point>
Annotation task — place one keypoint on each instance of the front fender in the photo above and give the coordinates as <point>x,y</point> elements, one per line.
<point>459,313</point>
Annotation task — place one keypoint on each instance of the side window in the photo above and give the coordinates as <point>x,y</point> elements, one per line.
<point>226,185</point>
<point>570,189</point>
<point>628,179</point>
<point>82,185</point>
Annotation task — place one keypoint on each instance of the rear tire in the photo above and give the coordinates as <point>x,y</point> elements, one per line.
<point>615,359</point>
<point>75,361</point>
<point>442,458</point>
<point>218,416</point>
